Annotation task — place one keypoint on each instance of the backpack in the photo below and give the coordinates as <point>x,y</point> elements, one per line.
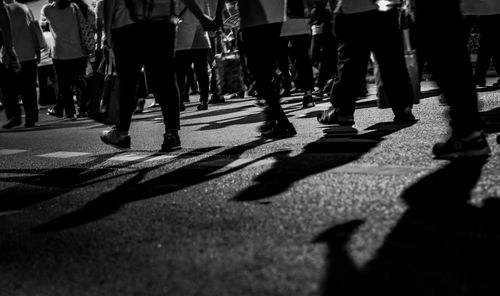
<point>150,10</point>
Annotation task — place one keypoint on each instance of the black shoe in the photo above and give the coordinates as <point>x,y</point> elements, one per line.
<point>216,99</point>
<point>307,102</point>
<point>171,141</point>
<point>202,106</point>
<point>30,124</point>
<point>83,115</point>
<point>53,112</point>
<point>279,131</point>
<point>406,117</point>
<point>331,116</point>
<point>12,123</point>
<point>474,145</point>
<point>112,137</point>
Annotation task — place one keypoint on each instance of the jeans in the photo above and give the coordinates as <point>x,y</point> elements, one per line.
<point>70,76</point>
<point>136,45</point>
<point>22,83</point>
<point>262,64</point>
<point>183,61</point>
<point>358,34</point>
<point>442,35</point>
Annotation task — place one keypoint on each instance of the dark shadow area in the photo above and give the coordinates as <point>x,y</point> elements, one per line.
<point>442,245</point>
<point>52,125</point>
<point>487,88</point>
<point>216,112</point>
<point>339,146</point>
<point>491,120</point>
<point>136,188</point>
<point>45,185</point>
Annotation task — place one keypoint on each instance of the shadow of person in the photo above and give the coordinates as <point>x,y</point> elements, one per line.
<point>339,146</point>
<point>442,245</point>
<point>138,187</point>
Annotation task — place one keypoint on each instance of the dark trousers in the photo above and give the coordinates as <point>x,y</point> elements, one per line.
<point>299,54</point>
<point>22,83</point>
<point>70,76</point>
<point>489,46</point>
<point>47,85</point>
<point>324,51</point>
<point>358,34</point>
<point>183,61</point>
<point>442,35</point>
<point>137,45</point>
<point>262,64</point>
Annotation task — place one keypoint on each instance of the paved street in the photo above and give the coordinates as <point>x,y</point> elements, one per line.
<point>345,211</point>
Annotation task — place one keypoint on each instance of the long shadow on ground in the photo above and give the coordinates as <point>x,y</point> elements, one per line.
<point>442,245</point>
<point>136,188</point>
<point>338,147</point>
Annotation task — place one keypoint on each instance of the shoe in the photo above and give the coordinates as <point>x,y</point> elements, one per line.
<point>260,102</point>
<point>30,124</point>
<point>280,131</point>
<point>443,101</point>
<point>154,105</point>
<point>12,123</point>
<point>406,117</point>
<point>71,117</point>
<point>286,93</point>
<point>307,102</point>
<point>319,94</point>
<point>140,106</point>
<point>112,137</point>
<point>332,116</point>
<point>203,106</point>
<point>182,107</point>
<point>53,112</point>
<point>216,99</point>
<point>82,115</point>
<point>171,141</point>
<point>474,145</point>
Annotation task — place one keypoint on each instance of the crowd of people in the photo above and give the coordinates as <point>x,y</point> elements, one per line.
<point>321,48</point>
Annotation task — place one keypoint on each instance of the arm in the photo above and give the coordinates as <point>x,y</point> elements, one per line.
<point>108,9</point>
<point>207,23</point>
<point>9,54</point>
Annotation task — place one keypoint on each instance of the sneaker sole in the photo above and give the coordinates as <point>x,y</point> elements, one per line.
<point>114,145</point>
<point>171,149</point>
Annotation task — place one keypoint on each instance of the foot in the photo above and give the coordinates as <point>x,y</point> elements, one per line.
<point>279,131</point>
<point>171,141</point>
<point>332,116</point>
<point>406,117</point>
<point>113,138</point>
<point>202,106</point>
<point>82,114</point>
<point>307,101</point>
<point>473,145</point>
<point>216,99</point>
<point>12,123</point>
<point>30,124</point>
<point>53,112</point>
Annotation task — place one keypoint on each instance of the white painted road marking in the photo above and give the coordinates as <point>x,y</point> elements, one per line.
<point>128,157</point>
<point>63,154</point>
<point>11,151</point>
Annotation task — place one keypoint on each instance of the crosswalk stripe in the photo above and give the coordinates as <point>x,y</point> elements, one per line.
<point>63,154</point>
<point>160,158</point>
<point>128,157</point>
<point>378,170</point>
<point>232,163</point>
<point>11,151</point>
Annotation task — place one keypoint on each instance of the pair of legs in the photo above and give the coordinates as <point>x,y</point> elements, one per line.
<point>262,65</point>
<point>22,83</point>
<point>135,46</point>
<point>442,35</point>
<point>69,75</point>
<point>199,58</point>
<point>355,43</point>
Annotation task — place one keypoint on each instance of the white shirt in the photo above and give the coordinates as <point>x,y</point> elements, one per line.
<point>65,30</point>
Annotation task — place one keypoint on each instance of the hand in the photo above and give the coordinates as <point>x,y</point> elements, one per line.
<point>11,61</point>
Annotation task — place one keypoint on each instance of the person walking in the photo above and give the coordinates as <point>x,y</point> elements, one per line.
<point>133,34</point>
<point>69,57</point>
<point>261,23</point>
<point>192,48</point>
<point>22,82</point>
<point>362,26</point>
<point>441,31</point>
